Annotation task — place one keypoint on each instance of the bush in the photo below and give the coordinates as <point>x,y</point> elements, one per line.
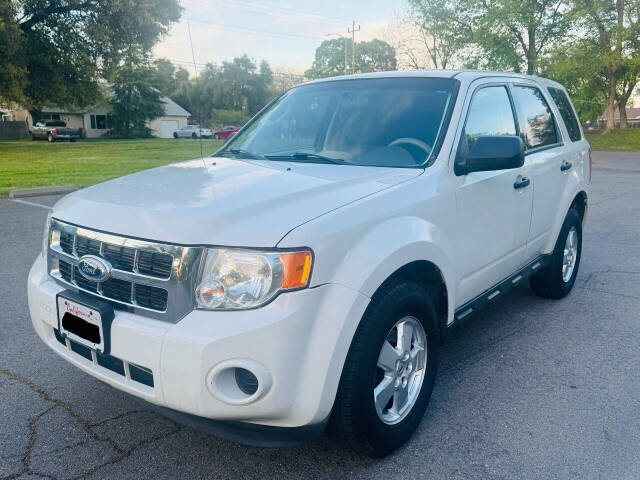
<point>221,117</point>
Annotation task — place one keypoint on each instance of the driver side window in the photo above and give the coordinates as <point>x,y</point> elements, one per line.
<point>490,114</point>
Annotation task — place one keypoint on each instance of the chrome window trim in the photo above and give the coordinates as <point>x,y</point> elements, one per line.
<point>180,285</point>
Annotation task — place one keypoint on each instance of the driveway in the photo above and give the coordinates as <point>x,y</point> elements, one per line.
<point>532,388</point>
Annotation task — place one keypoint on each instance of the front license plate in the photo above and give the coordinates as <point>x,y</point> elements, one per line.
<point>81,323</point>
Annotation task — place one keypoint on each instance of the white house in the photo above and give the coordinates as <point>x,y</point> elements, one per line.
<point>94,120</point>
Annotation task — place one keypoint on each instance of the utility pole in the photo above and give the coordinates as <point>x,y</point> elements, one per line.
<point>346,62</point>
<point>353,31</point>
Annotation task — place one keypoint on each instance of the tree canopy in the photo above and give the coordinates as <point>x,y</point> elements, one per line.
<point>372,56</point>
<point>228,93</point>
<point>56,51</point>
<point>135,101</point>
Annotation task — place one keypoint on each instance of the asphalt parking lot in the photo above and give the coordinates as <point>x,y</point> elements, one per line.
<point>532,388</point>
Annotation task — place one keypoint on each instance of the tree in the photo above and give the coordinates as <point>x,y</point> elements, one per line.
<point>615,27</point>
<point>239,86</point>
<point>577,66</point>
<point>221,117</point>
<point>330,59</point>
<point>13,72</point>
<point>513,34</point>
<point>66,46</point>
<point>135,101</point>
<point>442,31</point>
<point>373,56</point>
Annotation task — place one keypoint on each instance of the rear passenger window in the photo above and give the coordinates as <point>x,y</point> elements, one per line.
<point>490,115</point>
<point>539,127</point>
<point>567,113</point>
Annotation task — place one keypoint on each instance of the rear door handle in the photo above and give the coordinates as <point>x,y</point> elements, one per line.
<point>565,166</point>
<point>521,182</point>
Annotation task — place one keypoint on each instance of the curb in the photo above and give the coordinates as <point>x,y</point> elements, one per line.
<point>36,192</point>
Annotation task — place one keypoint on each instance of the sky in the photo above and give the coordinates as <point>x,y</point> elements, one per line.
<point>285,33</point>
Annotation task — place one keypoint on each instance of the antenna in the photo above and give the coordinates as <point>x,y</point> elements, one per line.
<point>195,68</point>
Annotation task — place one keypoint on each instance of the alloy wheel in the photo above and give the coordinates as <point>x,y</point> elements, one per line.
<point>400,370</point>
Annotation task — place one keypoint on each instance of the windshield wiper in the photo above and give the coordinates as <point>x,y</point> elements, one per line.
<point>239,152</point>
<point>307,156</point>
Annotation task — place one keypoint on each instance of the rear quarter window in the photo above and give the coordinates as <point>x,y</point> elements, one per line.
<point>567,112</point>
<point>538,123</point>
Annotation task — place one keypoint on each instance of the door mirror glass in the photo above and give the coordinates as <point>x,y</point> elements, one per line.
<point>491,153</point>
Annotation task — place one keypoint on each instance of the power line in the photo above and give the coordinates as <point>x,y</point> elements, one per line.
<point>255,31</point>
<point>271,9</point>
<point>220,69</point>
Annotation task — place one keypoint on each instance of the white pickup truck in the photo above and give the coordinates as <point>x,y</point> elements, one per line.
<point>305,276</point>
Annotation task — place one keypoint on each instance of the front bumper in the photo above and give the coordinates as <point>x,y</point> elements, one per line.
<point>297,344</point>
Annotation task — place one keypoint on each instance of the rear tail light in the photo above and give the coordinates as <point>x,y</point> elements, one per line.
<point>590,164</point>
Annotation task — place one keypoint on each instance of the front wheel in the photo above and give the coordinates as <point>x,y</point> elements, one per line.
<point>216,137</point>
<point>175,135</point>
<point>194,136</point>
<point>556,279</point>
<point>389,372</point>
<point>49,138</point>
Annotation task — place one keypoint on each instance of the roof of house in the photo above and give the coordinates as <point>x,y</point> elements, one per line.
<point>632,114</point>
<point>171,108</point>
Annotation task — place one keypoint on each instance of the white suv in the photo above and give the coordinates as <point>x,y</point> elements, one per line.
<point>307,273</point>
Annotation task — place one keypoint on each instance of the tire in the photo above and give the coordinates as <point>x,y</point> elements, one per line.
<point>175,135</point>
<point>50,138</point>
<point>194,136</point>
<point>355,420</point>
<point>216,137</point>
<point>33,138</point>
<point>553,281</point>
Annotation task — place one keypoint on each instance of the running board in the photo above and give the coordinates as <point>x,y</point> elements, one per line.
<point>486,298</point>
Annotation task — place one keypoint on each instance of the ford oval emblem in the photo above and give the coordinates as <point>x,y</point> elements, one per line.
<point>94,268</point>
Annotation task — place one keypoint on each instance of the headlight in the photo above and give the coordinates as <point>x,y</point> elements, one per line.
<point>233,279</point>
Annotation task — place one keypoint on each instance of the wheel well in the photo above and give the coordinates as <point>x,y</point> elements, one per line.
<point>430,277</point>
<point>580,204</point>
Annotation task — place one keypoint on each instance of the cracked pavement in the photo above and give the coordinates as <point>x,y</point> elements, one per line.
<point>532,388</point>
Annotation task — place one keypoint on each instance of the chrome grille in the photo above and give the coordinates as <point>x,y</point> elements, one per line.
<point>150,278</point>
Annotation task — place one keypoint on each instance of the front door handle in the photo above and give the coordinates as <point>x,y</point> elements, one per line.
<point>565,166</point>
<point>521,182</point>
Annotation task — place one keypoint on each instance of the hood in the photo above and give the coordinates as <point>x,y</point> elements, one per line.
<point>221,201</point>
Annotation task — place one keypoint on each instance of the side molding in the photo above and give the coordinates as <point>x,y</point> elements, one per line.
<point>483,300</point>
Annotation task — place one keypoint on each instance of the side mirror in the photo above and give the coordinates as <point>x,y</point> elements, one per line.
<point>490,153</point>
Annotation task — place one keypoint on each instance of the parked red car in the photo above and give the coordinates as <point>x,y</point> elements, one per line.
<point>225,132</point>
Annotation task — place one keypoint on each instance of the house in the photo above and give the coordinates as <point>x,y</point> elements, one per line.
<point>95,120</point>
<point>633,117</point>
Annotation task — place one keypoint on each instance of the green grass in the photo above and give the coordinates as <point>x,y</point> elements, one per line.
<point>621,140</point>
<point>27,164</point>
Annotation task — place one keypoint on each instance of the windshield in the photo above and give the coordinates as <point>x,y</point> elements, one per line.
<point>383,122</point>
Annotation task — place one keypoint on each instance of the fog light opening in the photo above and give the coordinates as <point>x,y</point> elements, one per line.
<point>247,382</point>
<point>239,382</point>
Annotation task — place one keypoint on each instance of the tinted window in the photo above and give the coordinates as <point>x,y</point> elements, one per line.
<point>568,115</point>
<point>490,115</point>
<point>390,122</point>
<point>539,128</point>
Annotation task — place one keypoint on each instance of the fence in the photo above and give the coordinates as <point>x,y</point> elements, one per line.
<point>13,130</point>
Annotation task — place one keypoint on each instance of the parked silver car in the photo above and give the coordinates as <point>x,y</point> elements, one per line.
<point>193,131</point>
